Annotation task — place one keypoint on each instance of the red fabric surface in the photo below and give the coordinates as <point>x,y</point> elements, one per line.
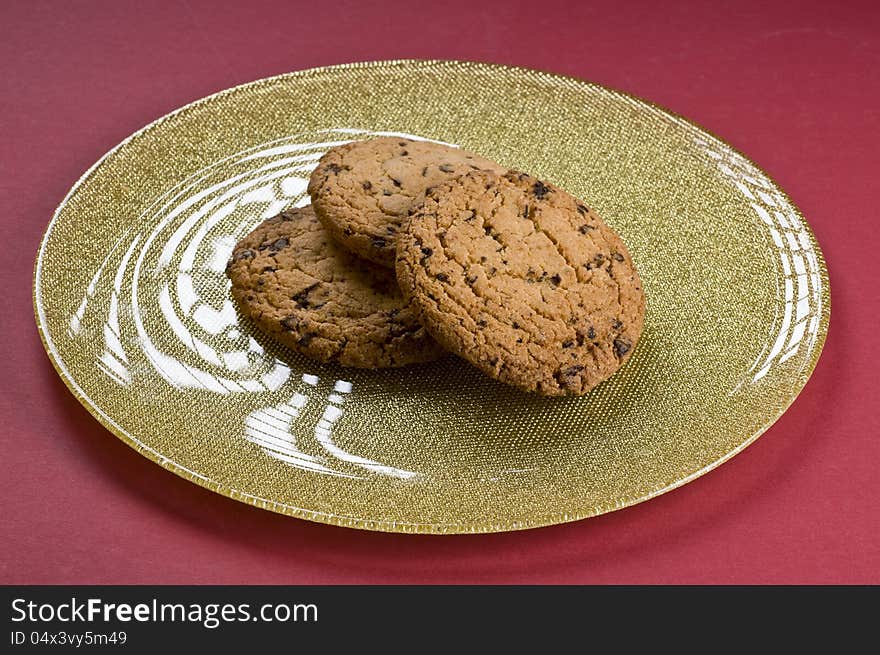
<point>792,84</point>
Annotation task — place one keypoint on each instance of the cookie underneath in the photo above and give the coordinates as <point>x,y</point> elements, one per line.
<point>363,191</point>
<point>301,289</point>
<point>523,281</point>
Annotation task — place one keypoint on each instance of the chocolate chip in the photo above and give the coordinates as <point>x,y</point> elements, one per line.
<point>492,271</point>
<point>247,253</point>
<point>519,340</point>
<point>483,259</point>
<point>290,322</point>
<point>556,280</point>
<point>404,153</point>
<point>276,245</point>
<point>397,330</point>
<point>367,185</point>
<point>583,229</point>
<point>540,190</point>
<point>348,231</point>
<point>378,242</point>
<point>621,347</point>
<point>568,344</point>
<point>424,171</point>
<point>442,277</point>
<point>386,193</point>
<point>616,324</point>
<point>301,298</point>
<point>582,210</point>
<point>447,168</point>
<point>395,182</point>
<point>591,333</point>
<point>618,256</point>
<point>571,371</point>
<point>515,325</point>
<point>336,169</point>
<point>527,212</point>
<point>402,143</point>
<point>471,279</point>
<point>306,339</point>
<point>482,323</point>
<point>268,269</point>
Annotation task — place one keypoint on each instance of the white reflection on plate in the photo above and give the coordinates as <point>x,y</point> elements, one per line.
<point>173,257</point>
<point>799,324</point>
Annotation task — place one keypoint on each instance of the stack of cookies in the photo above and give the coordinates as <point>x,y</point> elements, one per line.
<point>412,249</point>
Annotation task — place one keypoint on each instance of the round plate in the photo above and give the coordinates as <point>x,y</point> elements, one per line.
<point>134,308</point>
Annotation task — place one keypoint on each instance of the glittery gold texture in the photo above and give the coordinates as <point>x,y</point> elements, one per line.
<point>135,313</point>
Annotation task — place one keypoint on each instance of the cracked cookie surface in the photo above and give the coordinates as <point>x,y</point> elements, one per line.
<point>303,290</point>
<point>522,280</point>
<point>363,191</point>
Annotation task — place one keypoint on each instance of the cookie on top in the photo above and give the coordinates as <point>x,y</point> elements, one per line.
<point>524,281</point>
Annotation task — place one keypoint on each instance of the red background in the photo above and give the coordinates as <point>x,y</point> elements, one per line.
<point>794,85</point>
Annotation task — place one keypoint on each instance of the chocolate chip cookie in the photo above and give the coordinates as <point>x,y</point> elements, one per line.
<point>522,280</point>
<point>301,289</point>
<point>363,191</point>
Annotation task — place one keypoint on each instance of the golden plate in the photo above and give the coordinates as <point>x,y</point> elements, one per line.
<point>134,310</point>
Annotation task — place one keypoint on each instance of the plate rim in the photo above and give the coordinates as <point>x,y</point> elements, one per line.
<point>387,525</point>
